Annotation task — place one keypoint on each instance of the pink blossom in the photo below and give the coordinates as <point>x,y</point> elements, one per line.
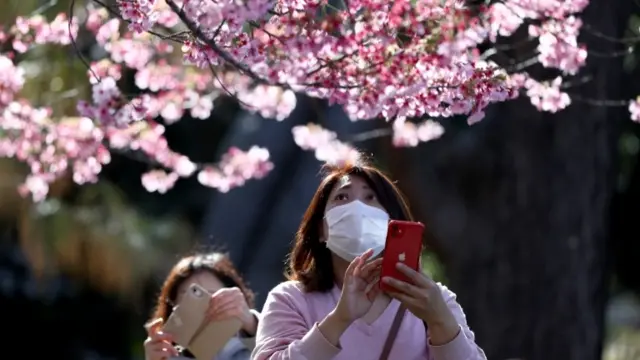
<point>325,144</point>
<point>139,13</point>
<point>547,96</point>
<point>95,18</point>
<point>634,109</point>
<point>559,46</point>
<point>236,168</point>
<point>397,60</point>
<point>36,30</point>
<point>159,180</point>
<point>11,80</point>
<point>35,186</point>
<point>408,134</point>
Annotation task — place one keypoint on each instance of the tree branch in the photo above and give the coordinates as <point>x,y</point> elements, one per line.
<point>211,43</point>
<point>75,44</point>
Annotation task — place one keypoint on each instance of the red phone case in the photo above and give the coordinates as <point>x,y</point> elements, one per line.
<point>404,244</point>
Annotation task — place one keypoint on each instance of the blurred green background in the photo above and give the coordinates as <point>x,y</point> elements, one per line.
<point>532,216</point>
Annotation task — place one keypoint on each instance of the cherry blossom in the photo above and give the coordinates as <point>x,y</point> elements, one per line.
<point>411,63</point>
<point>547,96</point>
<point>325,144</point>
<point>159,180</point>
<point>410,135</point>
<point>11,80</point>
<point>634,109</point>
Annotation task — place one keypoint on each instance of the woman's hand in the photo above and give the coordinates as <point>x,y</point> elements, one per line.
<point>359,288</point>
<point>228,303</point>
<point>423,298</point>
<point>158,345</point>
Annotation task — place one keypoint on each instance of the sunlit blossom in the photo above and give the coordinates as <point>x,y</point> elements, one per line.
<point>399,61</point>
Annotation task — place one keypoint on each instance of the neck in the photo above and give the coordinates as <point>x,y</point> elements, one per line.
<point>339,269</point>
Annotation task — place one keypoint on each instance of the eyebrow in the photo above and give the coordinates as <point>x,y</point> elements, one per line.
<point>349,185</point>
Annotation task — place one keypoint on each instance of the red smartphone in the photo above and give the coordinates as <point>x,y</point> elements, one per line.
<point>404,244</point>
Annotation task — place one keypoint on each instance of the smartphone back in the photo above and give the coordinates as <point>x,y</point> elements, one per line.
<point>189,328</point>
<point>404,244</point>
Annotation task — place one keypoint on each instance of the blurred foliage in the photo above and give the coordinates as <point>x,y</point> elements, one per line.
<point>624,344</point>
<point>100,238</point>
<point>92,234</point>
<point>89,232</point>
<point>55,76</point>
<point>433,267</point>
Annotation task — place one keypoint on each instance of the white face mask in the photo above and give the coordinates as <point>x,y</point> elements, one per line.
<point>355,228</point>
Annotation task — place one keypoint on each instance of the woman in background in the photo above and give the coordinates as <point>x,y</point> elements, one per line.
<point>332,306</point>
<point>231,299</point>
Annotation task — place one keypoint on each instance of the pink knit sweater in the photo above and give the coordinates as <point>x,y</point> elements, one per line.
<point>288,330</point>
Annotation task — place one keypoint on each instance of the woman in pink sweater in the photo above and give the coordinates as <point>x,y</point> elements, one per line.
<point>332,306</point>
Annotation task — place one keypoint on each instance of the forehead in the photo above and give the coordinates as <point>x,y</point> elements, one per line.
<point>350,181</point>
<point>205,279</point>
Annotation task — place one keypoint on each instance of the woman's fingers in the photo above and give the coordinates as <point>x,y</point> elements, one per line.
<point>366,256</point>
<point>159,338</point>
<point>418,278</point>
<point>402,287</point>
<point>373,288</point>
<point>405,299</point>
<point>232,304</point>
<point>362,261</point>
<point>234,313</point>
<point>222,299</point>
<point>371,270</point>
<point>162,337</point>
<point>225,315</point>
<point>165,352</point>
<point>223,295</point>
<point>159,349</point>
<point>232,308</point>
<point>351,269</point>
<point>155,333</point>
<point>153,326</point>
<point>372,265</point>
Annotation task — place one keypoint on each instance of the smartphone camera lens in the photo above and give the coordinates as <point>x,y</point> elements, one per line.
<point>396,231</point>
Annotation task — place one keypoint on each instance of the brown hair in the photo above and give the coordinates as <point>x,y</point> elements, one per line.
<point>310,260</point>
<point>215,263</point>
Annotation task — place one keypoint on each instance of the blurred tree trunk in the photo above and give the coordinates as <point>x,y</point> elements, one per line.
<point>626,232</point>
<point>520,207</point>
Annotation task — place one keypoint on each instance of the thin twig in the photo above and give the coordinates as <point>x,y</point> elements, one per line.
<point>75,45</point>
<point>211,43</point>
<point>224,86</point>
<point>372,134</point>
<point>625,40</point>
<point>44,7</point>
<point>600,102</point>
<point>170,37</point>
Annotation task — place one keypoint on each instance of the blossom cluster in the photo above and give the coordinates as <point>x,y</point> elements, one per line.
<point>399,60</point>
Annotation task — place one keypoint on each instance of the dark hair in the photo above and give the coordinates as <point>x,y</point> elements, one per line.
<point>310,260</point>
<point>215,263</point>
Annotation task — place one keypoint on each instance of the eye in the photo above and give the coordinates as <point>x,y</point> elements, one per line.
<point>371,197</point>
<point>196,291</point>
<point>340,197</point>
